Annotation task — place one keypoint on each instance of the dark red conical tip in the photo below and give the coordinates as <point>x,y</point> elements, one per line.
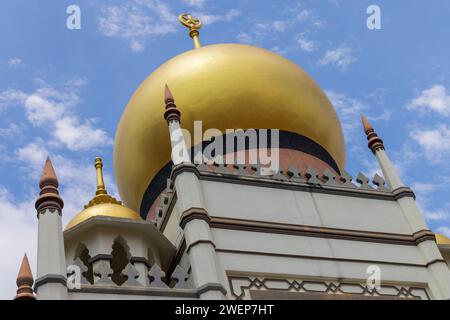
<point>49,194</point>
<point>25,281</point>
<point>168,96</point>
<point>366,124</point>
<point>48,176</point>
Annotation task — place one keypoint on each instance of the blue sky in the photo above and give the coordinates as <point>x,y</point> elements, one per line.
<point>62,91</point>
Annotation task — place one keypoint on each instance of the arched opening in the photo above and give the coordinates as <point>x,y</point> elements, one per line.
<point>82,252</point>
<point>120,258</point>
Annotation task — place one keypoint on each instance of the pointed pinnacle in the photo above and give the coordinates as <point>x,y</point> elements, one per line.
<point>48,176</point>
<point>168,97</point>
<point>25,281</point>
<point>367,126</point>
<point>24,272</point>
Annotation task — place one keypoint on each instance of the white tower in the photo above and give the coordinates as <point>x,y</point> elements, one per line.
<point>51,265</point>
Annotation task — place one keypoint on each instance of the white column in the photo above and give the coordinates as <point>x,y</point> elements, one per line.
<point>51,262</point>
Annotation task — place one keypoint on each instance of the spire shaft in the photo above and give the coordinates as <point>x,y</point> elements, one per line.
<point>100,182</point>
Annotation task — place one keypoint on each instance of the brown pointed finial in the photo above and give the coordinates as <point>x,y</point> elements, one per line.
<point>25,282</point>
<point>171,113</point>
<point>168,96</point>
<point>48,176</point>
<point>373,141</point>
<point>49,194</point>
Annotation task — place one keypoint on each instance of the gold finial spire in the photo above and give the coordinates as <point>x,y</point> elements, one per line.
<point>194,24</point>
<point>101,195</point>
<point>100,182</point>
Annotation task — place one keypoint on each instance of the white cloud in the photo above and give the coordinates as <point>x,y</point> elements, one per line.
<point>11,97</point>
<point>18,235</point>
<point>137,21</point>
<point>208,19</point>
<point>340,57</point>
<point>306,45</point>
<point>304,15</point>
<point>436,215</point>
<point>33,153</point>
<point>52,109</point>
<point>11,131</point>
<point>280,25</point>
<point>15,62</point>
<point>423,188</point>
<point>435,142</point>
<point>349,111</point>
<point>79,136</point>
<point>195,3</point>
<point>435,99</point>
<point>244,37</point>
<point>444,230</point>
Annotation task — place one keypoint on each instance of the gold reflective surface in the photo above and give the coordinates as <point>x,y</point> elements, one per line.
<point>103,209</point>
<point>226,86</point>
<point>441,239</point>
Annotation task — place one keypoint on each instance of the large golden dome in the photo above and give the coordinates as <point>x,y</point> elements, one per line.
<point>226,86</point>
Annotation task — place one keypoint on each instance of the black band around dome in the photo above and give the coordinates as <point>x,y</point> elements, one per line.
<point>287,140</point>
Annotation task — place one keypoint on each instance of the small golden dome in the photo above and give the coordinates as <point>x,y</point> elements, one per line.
<point>226,86</point>
<point>102,204</point>
<point>103,209</point>
<point>441,239</point>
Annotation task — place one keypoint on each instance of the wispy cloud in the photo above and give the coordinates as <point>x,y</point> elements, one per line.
<point>444,230</point>
<point>349,111</point>
<point>341,58</point>
<point>208,19</point>
<point>306,44</point>
<point>435,98</point>
<point>195,3</point>
<point>15,62</point>
<point>52,109</point>
<point>434,142</point>
<point>137,21</point>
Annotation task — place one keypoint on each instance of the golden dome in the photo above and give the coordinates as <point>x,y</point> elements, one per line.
<point>102,204</point>
<point>226,86</point>
<point>103,209</point>
<point>441,239</point>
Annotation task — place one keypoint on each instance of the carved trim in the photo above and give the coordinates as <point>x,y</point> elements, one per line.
<point>179,254</point>
<point>320,232</point>
<point>435,261</point>
<point>193,244</point>
<point>240,284</point>
<point>141,260</point>
<point>403,192</point>
<point>167,212</point>
<point>183,167</point>
<point>424,235</point>
<point>136,291</point>
<point>193,213</point>
<point>50,278</point>
<point>334,259</point>
<point>49,200</point>
<point>210,286</point>
<point>102,256</point>
<point>51,206</point>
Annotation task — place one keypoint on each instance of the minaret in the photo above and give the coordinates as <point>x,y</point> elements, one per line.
<point>419,228</point>
<point>194,219</point>
<point>25,282</point>
<point>376,145</point>
<point>51,264</point>
<point>172,115</point>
